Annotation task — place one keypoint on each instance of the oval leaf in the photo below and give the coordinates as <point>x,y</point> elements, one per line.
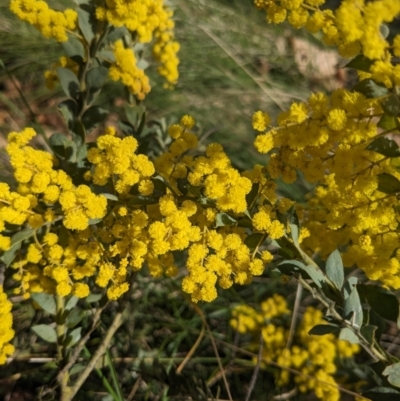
<point>74,49</point>
<point>322,329</point>
<point>384,146</point>
<point>393,374</point>
<point>352,309</point>
<point>69,82</point>
<point>45,332</point>
<point>348,335</point>
<point>45,301</point>
<point>388,184</point>
<point>334,269</point>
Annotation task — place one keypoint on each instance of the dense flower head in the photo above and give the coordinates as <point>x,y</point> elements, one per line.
<point>51,23</point>
<point>6,331</point>
<point>150,20</point>
<point>314,357</point>
<point>354,27</point>
<point>125,69</point>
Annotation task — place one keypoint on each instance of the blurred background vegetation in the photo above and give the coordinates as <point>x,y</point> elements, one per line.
<point>232,64</point>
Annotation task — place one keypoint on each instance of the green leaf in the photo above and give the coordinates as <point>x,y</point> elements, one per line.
<point>360,63</point>
<point>253,240</point>
<point>79,133</point>
<point>45,332</point>
<point>86,22</point>
<point>134,114</point>
<point>62,146</point>
<point>290,266</point>
<point>334,269</point>
<point>387,122</point>
<point>93,298</point>
<point>322,329</point>
<point>349,286</point>
<point>95,79</point>
<point>110,197</point>
<point>16,242</point>
<point>391,105</point>
<point>73,337</point>
<point>381,300</point>
<point>384,146</point>
<point>71,303</point>
<point>348,335</point>
<point>45,301</point>
<point>371,89</point>
<point>252,194</point>
<point>74,49</point>
<point>75,317</point>
<point>368,333</point>
<point>93,116</point>
<point>2,65</point>
<point>393,374</point>
<point>388,184</point>
<point>382,394</point>
<point>68,110</point>
<point>384,30</point>
<point>352,309</point>
<point>69,82</point>
<point>223,219</point>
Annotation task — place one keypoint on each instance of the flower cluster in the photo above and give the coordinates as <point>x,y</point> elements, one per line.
<point>115,158</point>
<point>125,69</point>
<point>51,23</point>
<point>148,19</point>
<point>6,331</point>
<point>326,139</point>
<point>354,27</point>
<point>314,357</point>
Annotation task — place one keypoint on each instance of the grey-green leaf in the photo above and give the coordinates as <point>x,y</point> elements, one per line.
<point>45,332</point>
<point>371,89</point>
<point>334,269</point>
<point>348,335</point>
<point>71,303</point>
<point>93,116</point>
<point>16,242</point>
<point>393,374</point>
<point>73,337</point>
<point>45,301</point>
<point>95,79</point>
<point>224,219</point>
<point>86,24</point>
<point>74,49</point>
<point>69,82</point>
<point>382,394</point>
<point>391,105</point>
<point>68,110</point>
<point>352,309</point>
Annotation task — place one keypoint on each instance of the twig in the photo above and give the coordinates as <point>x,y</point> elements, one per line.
<point>134,388</point>
<point>79,347</point>
<point>214,345</point>
<point>256,370</point>
<point>97,355</point>
<point>285,396</point>
<point>192,351</point>
<point>294,315</point>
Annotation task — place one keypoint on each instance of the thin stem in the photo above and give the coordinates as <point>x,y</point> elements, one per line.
<point>256,370</point>
<point>97,355</point>
<point>61,332</point>
<point>294,315</point>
